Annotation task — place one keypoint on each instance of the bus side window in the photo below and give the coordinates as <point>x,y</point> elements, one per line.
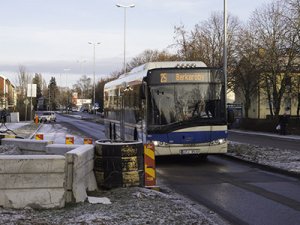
<point>110,131</point>
<point>135,134</point>
<point>114,132</point>
<point>143,91</point>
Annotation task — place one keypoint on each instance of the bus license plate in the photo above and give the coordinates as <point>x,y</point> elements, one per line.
<point>189,151</point>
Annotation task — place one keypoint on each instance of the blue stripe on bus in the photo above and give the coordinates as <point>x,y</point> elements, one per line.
<point>188,137</point>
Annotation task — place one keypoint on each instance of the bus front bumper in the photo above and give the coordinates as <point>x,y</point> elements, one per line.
<point>192,149</point>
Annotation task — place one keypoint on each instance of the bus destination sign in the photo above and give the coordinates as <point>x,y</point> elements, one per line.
<point>184,77</point>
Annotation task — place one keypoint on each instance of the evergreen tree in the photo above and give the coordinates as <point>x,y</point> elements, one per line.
<point>38,80</point>
<point>53,93</point>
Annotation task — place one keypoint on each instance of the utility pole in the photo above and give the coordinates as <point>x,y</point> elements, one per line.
<point>94,65</point>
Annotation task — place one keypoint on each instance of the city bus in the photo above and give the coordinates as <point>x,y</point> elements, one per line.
<point>178,106</point>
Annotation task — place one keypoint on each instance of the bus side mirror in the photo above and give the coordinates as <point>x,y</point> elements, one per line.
<point>230,116</point>
<point>143,91</point>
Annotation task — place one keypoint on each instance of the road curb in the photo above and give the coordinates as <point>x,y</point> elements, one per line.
<point>271,135</point>
<point>264,166</point>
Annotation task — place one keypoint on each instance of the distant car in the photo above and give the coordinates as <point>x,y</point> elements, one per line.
<point>75,109</point>
<point>48,116</point>
<point>84,110</point>
<point>95,108</point>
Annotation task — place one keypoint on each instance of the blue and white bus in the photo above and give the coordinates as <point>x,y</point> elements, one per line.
<point>179,106</point>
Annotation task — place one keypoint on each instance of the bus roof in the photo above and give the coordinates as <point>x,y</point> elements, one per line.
<point>170,64</point>
<point>138,73</point>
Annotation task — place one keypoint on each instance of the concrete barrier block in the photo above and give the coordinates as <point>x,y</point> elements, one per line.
<point>59,149</point>
<point>81,172</point>
<point>28,145</point>
<point>92,183</point>
<point>86,183</point>
<point>38,180</point>
<point>83,177</point>
<point>81,154</point>
<point>32,164</point>
<point>34,198</point>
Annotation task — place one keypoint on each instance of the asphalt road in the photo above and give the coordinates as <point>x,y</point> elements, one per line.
<point>88,128</point>
<point>241,193</point>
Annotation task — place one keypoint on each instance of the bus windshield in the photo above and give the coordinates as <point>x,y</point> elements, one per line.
<point>185,102</point>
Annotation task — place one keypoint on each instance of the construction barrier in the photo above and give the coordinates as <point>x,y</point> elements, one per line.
<point>69,140</point>
<point>118,164</point>
<point>149,159</point>
<point>88,141</point>
<point>39,137</point>
<point>6,136</point>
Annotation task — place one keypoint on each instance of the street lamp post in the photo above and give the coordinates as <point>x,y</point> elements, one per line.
<point>94,64</point>
<point>67,106</point>
<point>122,122</point>
<point>125,7</point>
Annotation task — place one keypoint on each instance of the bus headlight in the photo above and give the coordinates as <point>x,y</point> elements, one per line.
<point>218,141</point>
<point>159,143</point>
<point>155,143</point>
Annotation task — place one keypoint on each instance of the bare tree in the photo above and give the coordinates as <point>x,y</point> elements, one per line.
<point>182,42</point>
<point>273,36</point>
<point>150,56</point>
<point>145,57</point>
<point>245,76</point>
<point>22,82</point>
<point>206,41</point>
<point>84,87</point>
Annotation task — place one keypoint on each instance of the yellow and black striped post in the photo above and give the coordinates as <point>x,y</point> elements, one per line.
<point>149,160</point>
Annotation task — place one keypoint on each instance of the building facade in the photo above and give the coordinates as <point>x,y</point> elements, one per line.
<point>260,104</point>
<point>8,97</point>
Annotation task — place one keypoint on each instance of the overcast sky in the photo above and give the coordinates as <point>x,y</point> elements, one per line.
<point>48,36</point>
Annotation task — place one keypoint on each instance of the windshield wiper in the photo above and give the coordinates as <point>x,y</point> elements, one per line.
<point>192,122</point>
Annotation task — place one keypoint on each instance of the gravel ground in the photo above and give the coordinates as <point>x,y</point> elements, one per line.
<point>143,206</point>
<point>282,159</point>
<point>128,206</point>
